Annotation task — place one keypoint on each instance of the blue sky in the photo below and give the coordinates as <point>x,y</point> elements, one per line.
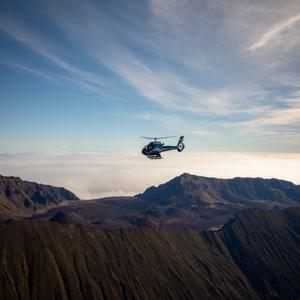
<point>96,75</point>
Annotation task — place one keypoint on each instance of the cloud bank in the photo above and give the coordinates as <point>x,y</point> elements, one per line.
<point>96,175</point>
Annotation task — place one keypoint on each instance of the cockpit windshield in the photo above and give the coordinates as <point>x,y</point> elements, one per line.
<point>148,148</point>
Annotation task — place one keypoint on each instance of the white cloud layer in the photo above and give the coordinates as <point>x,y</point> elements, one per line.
<point>95,175</point>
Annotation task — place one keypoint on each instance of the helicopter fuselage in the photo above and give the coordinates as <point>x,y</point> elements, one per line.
<point>153,149</point>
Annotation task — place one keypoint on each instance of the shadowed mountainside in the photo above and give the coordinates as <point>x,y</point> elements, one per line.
<point>67,218</point>
<point>17,195</point>
<point>187,201</point>
<point>211,191</point>
<point>255,256</point>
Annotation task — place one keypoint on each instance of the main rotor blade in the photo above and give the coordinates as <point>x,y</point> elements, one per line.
<point>166,137</point>
<point>158,138</point>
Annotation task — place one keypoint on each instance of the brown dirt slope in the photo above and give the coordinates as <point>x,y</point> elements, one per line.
<point>255,256</point>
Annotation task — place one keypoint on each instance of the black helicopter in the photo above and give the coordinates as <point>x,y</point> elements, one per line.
<point>154,148</point>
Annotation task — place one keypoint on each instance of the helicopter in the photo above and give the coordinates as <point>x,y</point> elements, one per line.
<point>154,148</point>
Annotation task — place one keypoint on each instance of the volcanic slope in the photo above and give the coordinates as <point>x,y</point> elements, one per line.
<point>255,256</point>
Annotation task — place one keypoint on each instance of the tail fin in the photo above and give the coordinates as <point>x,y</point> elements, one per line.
<point>180,145</point>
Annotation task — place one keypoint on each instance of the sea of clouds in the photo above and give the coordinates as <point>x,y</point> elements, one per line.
<point>95,175</point>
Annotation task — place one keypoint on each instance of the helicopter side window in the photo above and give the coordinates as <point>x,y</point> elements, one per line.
<point>150,146</point>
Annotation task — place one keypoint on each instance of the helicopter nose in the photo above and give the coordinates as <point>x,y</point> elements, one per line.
<point>144,151</point>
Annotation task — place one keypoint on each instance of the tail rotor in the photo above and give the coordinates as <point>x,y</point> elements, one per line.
<point>180,145</point>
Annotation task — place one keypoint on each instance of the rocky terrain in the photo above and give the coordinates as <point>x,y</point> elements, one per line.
<point>19,197</point>
<point>254,256</point>
<point>205,191</point>
<point>153,245</point>
<point>187,201</point>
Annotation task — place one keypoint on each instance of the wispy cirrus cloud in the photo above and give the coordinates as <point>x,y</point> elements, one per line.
<point>279,117</point>
<point>35,42</point>
<point>30,70</point>
<point>175,123</point>
<point>275,32</point>
<point>233,65</point>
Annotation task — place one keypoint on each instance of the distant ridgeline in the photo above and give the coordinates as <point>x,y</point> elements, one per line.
<point>187,201</point>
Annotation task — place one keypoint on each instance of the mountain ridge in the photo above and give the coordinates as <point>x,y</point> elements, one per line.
<point>216,190</point>
<point>186,201</point>
<point>18,196</point>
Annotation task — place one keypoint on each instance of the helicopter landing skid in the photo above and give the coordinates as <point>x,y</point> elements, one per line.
<point>155,156</point>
